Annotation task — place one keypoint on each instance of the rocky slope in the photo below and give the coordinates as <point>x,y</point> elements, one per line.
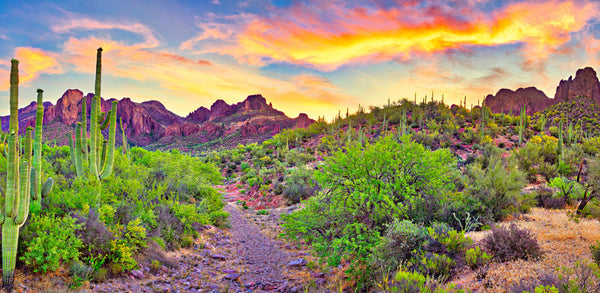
<point>584,84</point>
<point>151,123</point>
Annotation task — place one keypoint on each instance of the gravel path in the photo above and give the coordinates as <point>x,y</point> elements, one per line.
<point>238,259</point>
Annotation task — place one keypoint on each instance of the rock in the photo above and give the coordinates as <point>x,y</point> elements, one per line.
<point>219,257</point>
<point>200,115</point>
<point>297,263</point>
<point>317,275</point>
<point>585,83</point>
<point>137,273</point>
<point>229,271</point>
<point>232,276</point>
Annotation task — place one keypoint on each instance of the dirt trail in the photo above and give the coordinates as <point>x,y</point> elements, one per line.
<point>238,259</point>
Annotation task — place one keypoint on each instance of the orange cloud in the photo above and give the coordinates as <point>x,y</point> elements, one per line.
<point>326,35</point>
<point>32,63</point>
<point>189,83</point>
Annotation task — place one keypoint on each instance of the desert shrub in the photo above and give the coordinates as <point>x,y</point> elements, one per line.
<point>476,258</point>
<point>595,250</point>
<point>296,157</point>
<point>438,266</point>
<point>454,241</point>
<point>219,218</point>
<point>366,187</point>
<point>94,234</point>
<point>592,209</point>
<point>568,190</point>
<point>591,146</point>
<point>497,189</point>
<point>297,185</point>
<point>512,243</point>
<point>127,242</point>
<point>170,228</point>
<point>51,240</point>
<point>402,241</point>
<point>545,198</point>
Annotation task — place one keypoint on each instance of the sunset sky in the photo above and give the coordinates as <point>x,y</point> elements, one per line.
<point>315,57</point>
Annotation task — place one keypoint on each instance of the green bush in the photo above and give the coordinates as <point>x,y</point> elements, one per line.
<point>50,241</point>
<point>402,241</point>
<point>297,185</point>
<point>438,266</point>
<point>497,189</point>
<point>366,188</point>
<point>476,258</point>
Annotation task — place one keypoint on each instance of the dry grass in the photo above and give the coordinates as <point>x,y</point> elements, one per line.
<point>563,241</point>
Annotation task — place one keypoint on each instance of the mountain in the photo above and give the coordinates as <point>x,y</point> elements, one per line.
<point>151,124</point>
<point>585,84</point>
<point>508,101</point>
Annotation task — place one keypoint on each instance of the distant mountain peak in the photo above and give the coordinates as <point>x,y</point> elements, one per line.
<point>585,84</point>
<point>148,122</point>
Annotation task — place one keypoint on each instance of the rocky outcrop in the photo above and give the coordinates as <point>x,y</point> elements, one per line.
<point>67,108</point>
<point>585,84</point>
<point>183,129</point>
<point>511,102</point>
<point>160,114</point>
<point>302,121</point>
<point>201,115</point>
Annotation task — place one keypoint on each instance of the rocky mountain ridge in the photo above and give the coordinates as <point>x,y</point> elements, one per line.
<point>584,84</point>
<point>150,122</point>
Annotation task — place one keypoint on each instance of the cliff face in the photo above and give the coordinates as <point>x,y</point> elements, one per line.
<point>511,102</point>
<point>148,122</point>
<point>584,84</point>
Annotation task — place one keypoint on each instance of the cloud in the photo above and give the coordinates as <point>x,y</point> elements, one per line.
<point>76,23</point>
<point>188,81</point>
<point>32,63</point>
<point>329,34</point>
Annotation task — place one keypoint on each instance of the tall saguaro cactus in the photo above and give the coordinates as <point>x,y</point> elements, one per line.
<point>101,153</point>
<point>37,149</point>
<point>21,182</point>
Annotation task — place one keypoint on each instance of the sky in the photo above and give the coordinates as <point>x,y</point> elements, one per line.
<point>314,57</point>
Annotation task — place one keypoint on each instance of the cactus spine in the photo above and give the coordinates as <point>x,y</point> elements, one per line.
<point>101,153</point>
<point>21,181</point>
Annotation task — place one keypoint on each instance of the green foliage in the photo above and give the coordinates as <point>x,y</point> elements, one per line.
<point>595,250</point>
<point>476,258</point>
<point>402,241</point>
<point>297,185</point>
<point>365,188</point>
<point>438,266</point>
<point>497,189</point>
<point>51,241</point>
<point>455,242</point>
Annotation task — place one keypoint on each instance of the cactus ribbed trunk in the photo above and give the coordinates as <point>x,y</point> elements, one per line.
<point>101,153</point>
<point>78,157</point>
<point>84,145</point>
<point>110,148</point>
<point>14,96</point>
<point>37,150</point>
<point>19,184</point>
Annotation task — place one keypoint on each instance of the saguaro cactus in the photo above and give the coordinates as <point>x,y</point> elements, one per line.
<point>21,176</point>
<point>37,149</point>
<point>101,153</point>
